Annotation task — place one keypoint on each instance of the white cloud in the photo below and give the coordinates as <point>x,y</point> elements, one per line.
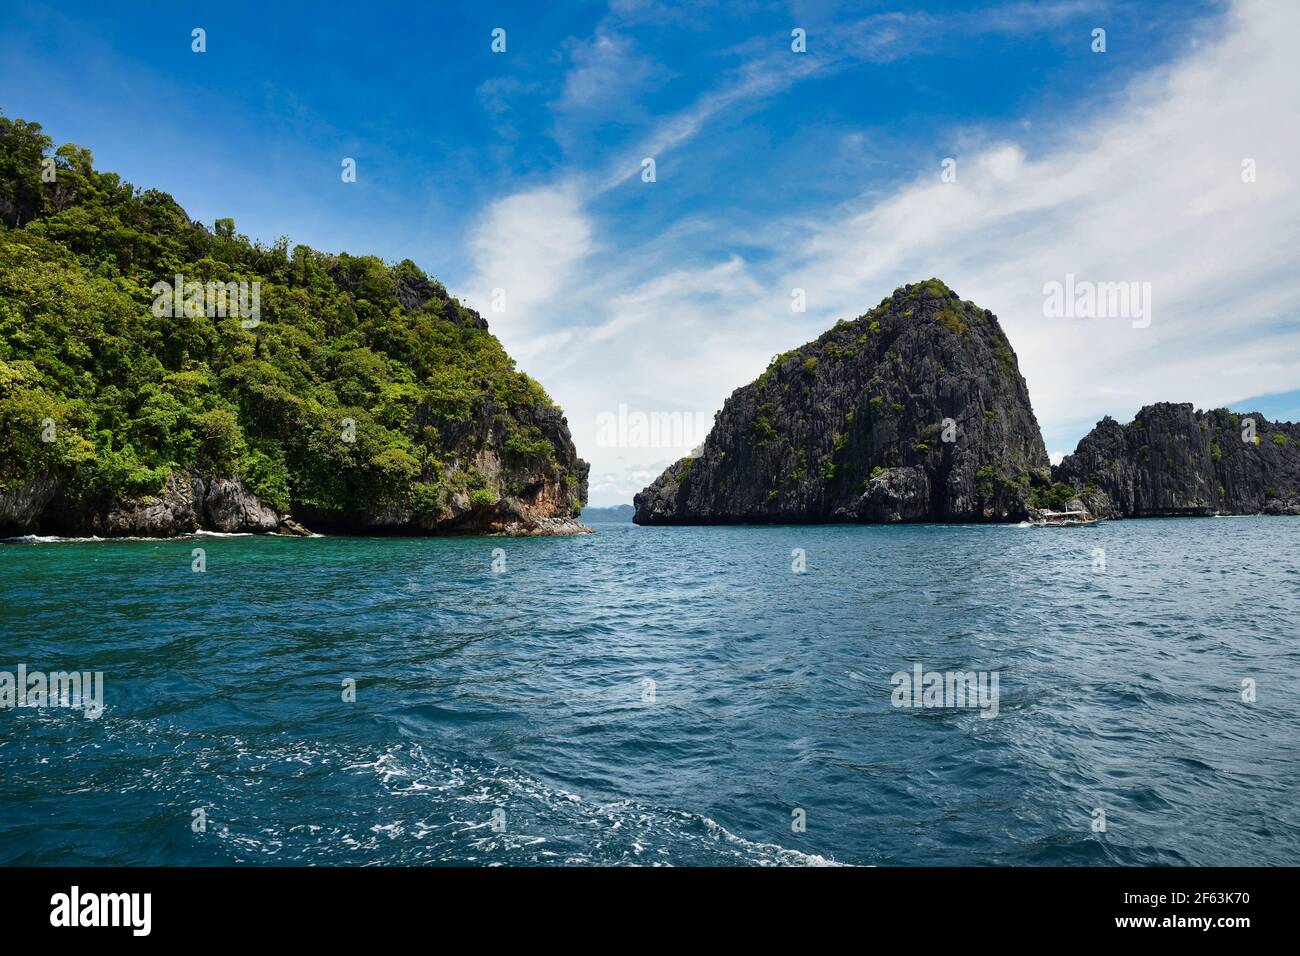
<point>1145,186</point>
<point>529,245</point>
<point>674,343</point>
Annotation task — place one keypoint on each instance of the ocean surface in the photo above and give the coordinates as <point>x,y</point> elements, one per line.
<point>661,696</point>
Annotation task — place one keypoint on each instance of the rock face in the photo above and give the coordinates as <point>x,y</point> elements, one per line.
<point>229,507</point>
<point>534,495</point>
<point>1173,460</point>
<point>185,504</point>
<point>914,412</point>
<point>188,503</point>
<point>541,502</point>
<point>178,509</point>
<point>22,506</point>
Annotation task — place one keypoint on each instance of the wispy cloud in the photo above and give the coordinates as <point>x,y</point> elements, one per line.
<point>606,69</point>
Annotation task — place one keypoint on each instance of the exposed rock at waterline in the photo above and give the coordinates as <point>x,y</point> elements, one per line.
<point>229,507</point>
<point>292,528</point>
<point>177,509</point>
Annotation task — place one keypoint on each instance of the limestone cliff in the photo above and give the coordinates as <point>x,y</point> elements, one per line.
<point>1173,460</point>
<point>915,411</point>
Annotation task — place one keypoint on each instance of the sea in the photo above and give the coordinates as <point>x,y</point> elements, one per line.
<point>698,696</point>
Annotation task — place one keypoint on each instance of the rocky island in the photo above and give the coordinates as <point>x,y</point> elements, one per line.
<point>1172,460</point>
<point>158,377</point>
<point>917,411</point>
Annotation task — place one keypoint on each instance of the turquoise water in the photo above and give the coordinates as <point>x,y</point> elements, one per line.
<point>526,692</point>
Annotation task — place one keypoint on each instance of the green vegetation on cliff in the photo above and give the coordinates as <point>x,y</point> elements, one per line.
<point>108,398</point>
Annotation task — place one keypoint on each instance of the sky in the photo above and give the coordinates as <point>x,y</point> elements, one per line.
<point>519,177</point>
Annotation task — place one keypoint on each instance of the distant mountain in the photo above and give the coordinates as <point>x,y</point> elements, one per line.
<point>158,377</point>
<point>915,411</point>
<point>614,513</point>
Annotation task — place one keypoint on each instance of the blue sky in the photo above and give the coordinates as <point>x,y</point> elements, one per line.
<point>521,171</point>
<point>256,126</point>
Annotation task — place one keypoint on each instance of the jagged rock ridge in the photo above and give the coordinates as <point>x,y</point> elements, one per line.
<point>1172,460</point>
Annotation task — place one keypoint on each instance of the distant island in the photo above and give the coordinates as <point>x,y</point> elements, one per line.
<point>917,411</point>
<point>158,377</point>
<point>613,513</point>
